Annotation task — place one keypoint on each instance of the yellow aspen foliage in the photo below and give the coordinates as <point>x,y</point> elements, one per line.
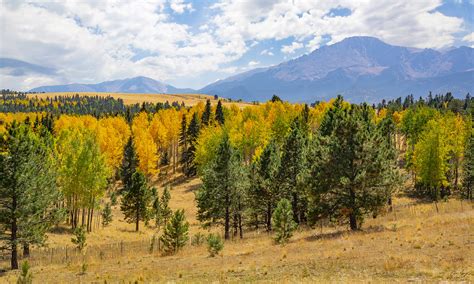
<point>145,146</point>
<point>113,134</point>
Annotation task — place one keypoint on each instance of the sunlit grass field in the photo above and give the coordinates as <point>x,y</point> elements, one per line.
<point>129,98</point>
<point>414,242</point>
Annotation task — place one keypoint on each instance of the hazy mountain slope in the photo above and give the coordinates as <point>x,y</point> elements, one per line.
<point>360,68</point>
<point>130,85</point>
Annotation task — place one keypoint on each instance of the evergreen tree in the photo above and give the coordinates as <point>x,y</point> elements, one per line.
<point>468,165</point>
<point>136,200</point>
<point>129,164</point>
<point>265,190</point>
<point>221,196</point>
<point>293,168</point>
<point>206,115</point>
<point>192,134</point>
<point>156,207</point>
<point>28,192</point>
<point>214,244</point>
<point>283,222</point>
<point>220,113</point>
<point>175,235</point>
<point>106,215</point>
<point>183,142</point>
<point>80,238</point>
<point>25,277</point>
<point>352,167</point>
<point>165,208</point>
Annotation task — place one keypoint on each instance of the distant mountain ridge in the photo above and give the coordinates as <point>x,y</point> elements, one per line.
<point>360,68</point>
<point>130,85</point>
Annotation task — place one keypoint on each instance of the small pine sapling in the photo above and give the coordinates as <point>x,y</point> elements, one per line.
<point>283,222</point>
<point>214,244</point>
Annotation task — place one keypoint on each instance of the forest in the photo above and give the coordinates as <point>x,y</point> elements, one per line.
<point>275,166</point>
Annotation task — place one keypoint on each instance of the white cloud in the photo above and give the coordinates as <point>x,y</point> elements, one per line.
<point>469,38</point>
<point>292,47</point>
<point>179,6</point>
<point>90,41</point>
<point>315,43</point>
<point>253,63</point>
<point>266,52</point>
<point>404,22</point>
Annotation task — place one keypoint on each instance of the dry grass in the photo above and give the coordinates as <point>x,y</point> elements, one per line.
<point>414,243</point>
<point>128,99</point>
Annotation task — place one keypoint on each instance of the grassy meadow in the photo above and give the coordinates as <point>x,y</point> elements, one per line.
<point>414,242</point>
<point>130,99</point>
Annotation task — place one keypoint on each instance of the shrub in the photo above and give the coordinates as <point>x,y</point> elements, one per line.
<point>175,235</point>
<point>79,238</point>
<point>282,220</point>
<point>25,277</point>
<point>198,239</point>
<point>106,215</point>
<point>214,244</point>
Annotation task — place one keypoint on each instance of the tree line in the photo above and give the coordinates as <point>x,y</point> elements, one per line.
<point>274,163</point>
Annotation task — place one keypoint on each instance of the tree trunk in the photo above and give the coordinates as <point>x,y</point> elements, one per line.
<point>14,259</point>
<point>137,224</point>
<point>26,250</point>
<point>227,224</point>
<point>269,217</point>
<point>241,231</point>
<point>353,221</point>
<point>294,204</point>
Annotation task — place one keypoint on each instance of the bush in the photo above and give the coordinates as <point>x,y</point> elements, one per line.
<point>282,220</point>
<point>79,238</point>
<point>198,239</point>
<point>214,244</point>
<point>25,277</point>
<point>106,215</point>
<point>175,235</point>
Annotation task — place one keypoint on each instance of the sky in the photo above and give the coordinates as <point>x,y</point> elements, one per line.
<point>193,43</point>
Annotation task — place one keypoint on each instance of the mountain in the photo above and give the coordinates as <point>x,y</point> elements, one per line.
<point>131,85</point>
<point>359,68</point>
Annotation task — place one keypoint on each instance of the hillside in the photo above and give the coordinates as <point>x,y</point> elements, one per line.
<point>130,85</point>
<point>134,98</point>
<point>412,243</point>
<point>359,68</point>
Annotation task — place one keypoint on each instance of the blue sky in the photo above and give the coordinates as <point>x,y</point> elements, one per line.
<point>194,43</point>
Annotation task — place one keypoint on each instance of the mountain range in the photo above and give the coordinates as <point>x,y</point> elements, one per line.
<point>139,84</point>
<point>359,68</point>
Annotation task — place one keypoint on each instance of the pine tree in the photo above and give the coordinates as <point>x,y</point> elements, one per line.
<point>25,277</point>
<point>28,192</point>
<point>220,113</point>
<point>156,207</point>
<point>352,167</point>
<point>175,235</point>
<point>192,134</point>
<point>165,209</point>
<point>265,190</point>
<point>136,200</point>
<point>129,164</point>
<point>468,164</point>
<point>106,215</point>
<point>80,238</point>
<point>206,115</point>
<point>293,168</point>
<point>283,222</point>
<point>183,142</point>
<point>222,194</point>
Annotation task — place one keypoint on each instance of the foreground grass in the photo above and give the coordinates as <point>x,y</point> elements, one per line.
<point>415,242</point>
